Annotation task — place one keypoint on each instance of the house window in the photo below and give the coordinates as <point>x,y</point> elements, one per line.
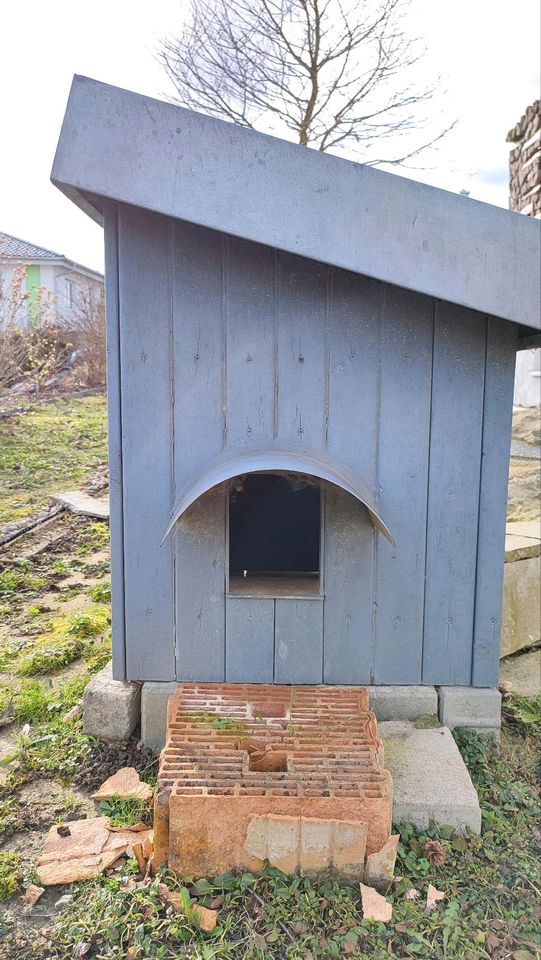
<point>274,535</point>
<point>69,293</point>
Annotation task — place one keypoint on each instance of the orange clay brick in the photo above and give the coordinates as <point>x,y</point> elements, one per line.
<point>238,751</point>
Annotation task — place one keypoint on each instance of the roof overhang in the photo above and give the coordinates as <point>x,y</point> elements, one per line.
<point>277,459</point>
<point>120,146</point>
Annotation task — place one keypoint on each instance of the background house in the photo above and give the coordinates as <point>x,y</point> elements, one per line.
<point>40,279</point>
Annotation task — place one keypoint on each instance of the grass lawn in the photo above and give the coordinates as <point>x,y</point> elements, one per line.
<point>52,446</point>
<point>54,606</point>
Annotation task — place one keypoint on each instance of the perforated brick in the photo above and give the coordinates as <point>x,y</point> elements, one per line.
<point>238,751</point>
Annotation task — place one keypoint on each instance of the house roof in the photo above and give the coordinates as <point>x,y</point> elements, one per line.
<point>121,146</point>
<point>13,248</point>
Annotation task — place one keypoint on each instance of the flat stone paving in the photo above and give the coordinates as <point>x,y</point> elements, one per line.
<point>79,502</point>
<point>430,778</point>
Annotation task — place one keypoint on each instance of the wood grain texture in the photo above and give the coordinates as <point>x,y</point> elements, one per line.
<point>250,272</point>
<point>348,574</point>
<point>497,423</point>
<point>403,441</point>
<point>453,495</point>
<point>200,590</point>
<point>114,418</point>
<point>301,344</point>
<point>145,351</point>
<point>249,640</point>
<point>198,345</point>
<point>298,641</point>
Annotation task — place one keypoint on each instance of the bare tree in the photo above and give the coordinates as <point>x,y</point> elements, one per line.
<point>337,73</point>
<point>86,327</point>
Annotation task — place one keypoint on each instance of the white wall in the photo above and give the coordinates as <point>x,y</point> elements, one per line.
<point>528,379</point>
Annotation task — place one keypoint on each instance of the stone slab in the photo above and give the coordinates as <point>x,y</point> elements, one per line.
<point>430,778</point>
<point>111,708</point>
<point>477,708</point>
<point>154,698</point>
<point>403,702</point>
<point>523,672</point>
<point>79,502</point>
<point>521,617</point>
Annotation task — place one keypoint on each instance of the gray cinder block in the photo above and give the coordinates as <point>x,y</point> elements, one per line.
<point>111,708</point>
<point>478,708</point>
<point>403,702</point>
<point>154,697</point>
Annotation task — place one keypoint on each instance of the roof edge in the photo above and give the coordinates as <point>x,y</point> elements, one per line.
<point>270,191</point>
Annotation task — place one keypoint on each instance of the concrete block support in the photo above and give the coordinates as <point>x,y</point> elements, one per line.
<point>154,697</point>
<point>403,702</point>
<point>430,778</point>
<point>111,708</point>
<point>477,708</point>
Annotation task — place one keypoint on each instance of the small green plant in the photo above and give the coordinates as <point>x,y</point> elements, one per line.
<point>101,592</point>
<point>10,874</point>
<point>523,713</point>
<point>126,811</point>
<point>46,660</point>
<point>14,582</point>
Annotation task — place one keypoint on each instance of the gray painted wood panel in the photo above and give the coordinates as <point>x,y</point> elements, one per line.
<point>198,344</point>
<point>497,422</point>
<point>453,495</point>
<point>348,575</point>
<point>403,435</point>
<point>249,640</point>
<point>201,580</point>
<point>145,342</point>
<point>354,337</point>
<point>250,272</point>
<point>298,641</point>
<point>301,369</point>
<point>114,416</point>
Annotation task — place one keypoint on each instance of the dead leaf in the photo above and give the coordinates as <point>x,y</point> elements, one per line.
<point>63,830</point>
<point>433,896</point>
<point>375,907</point>
<point>411,894</point>
<point>206,918</point>
<point>125,783</point>
<point>32,894</point>
<point>434,852</point>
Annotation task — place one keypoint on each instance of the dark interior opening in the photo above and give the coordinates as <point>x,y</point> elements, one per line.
<point>274,534</point>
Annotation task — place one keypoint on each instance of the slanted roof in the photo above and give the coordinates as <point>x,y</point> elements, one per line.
<point>13,248</point>
<point>120,146</point>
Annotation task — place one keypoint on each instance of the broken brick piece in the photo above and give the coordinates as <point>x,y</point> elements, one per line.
<point>379,870</point>
<point>375,907</point>
<point>125,783</point>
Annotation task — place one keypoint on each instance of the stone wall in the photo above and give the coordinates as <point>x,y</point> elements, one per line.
<point>525,163</point>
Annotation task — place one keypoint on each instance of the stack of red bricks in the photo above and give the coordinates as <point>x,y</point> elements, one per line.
<point>255,772</point>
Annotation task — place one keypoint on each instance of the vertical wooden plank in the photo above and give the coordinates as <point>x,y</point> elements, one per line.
<point>249,640</point>
<point>354,321</point>
<point>250,304</point>
<point>497,423</point>
<point>348,560</point>
<point>453,494</point>
<point>298,641</point>
<point>198,345</point>
<point>404,431</point>
<point>200,560</point>
<point>199,389</point>
<point>302,360</point>
<point>114,415</point>
<point>145,340</point>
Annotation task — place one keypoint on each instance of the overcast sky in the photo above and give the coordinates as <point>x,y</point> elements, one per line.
<point>486,50</point>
